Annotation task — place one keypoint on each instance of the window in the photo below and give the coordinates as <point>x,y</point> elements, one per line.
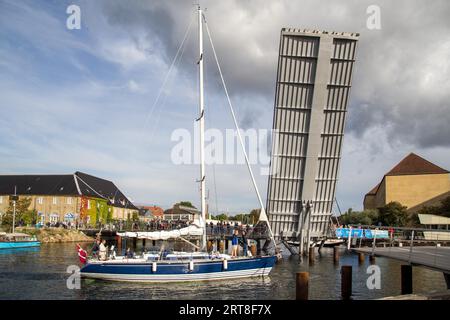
<point>69,200</point>
<point>40,200</point>
<point>54,217</point>
<point>55,200</point>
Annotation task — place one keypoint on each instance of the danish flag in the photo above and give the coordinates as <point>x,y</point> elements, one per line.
<point>82,254</point>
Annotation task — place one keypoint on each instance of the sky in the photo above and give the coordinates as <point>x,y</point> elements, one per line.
<point>87,99</point>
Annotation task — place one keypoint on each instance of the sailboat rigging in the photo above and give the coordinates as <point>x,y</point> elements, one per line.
<point>188,266</point>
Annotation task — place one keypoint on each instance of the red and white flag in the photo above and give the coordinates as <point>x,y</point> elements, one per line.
<point>82,254</point>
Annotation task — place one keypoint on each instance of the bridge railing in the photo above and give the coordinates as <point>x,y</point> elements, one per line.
<point>407,244</point>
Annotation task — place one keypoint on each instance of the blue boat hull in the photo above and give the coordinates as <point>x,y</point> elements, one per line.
<point>179,271</point>
<point>19,244</point>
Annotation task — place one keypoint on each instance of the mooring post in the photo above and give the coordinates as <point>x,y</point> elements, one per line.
<point>447,279</point>
<point>119,244</point>
<point>346,282</point>
<point>335,254</point>
<point>406,275</point>
<point>302,286</point>
<point>311,256</point>
<point>361,258</point>
<point>411,246</point>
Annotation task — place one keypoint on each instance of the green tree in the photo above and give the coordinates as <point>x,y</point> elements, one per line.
<point>413,220</point>
<point>393,214</point>
<point>441,210</point>
<point>135,216</point>
<point>254,216</point>
<point>185,204</point>
<point>366,217</point>
<point>221,217</point>
<point>445,207</point>
<point>22,213</point>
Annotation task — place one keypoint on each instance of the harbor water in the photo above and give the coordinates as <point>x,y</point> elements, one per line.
<point>41,273</point>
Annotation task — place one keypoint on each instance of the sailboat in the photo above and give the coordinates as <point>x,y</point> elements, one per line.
<point>186,266</point>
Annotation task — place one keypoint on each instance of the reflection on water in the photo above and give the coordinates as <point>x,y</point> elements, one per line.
<point>41,274</point>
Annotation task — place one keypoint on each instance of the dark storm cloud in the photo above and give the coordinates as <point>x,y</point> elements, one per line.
<point>402,77</point>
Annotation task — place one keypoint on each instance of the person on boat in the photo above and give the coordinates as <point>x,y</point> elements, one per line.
<point>102,251</point>
<point>96,248</point>
<point>129,254</point>
<point>235,243</point>
<point>244,243</point>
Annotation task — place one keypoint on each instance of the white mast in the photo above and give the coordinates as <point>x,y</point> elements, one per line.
<point>202,129</point>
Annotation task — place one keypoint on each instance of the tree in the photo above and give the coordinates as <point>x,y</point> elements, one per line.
<point>366,217</point>
<point>254,216</point>
<point>22,213</point>
<point>221,217</point>
<point>445,207</point>
<point>441,210</point>
<point>393,214</point>
<point>185,204</point>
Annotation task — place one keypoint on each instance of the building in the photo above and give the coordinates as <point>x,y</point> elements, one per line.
<point>312,92</point>
<point>182,213</point>
<point>58,198</point>
<point>435,223</point>
<point>147,213</point>
<point>414,182</point>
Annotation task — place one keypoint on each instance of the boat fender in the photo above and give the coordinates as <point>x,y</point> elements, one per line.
<point>154,266</point>
<point>191,265</point>
<point>225,264</point>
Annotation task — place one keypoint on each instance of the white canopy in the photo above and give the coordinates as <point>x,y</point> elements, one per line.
<point>192,230</point>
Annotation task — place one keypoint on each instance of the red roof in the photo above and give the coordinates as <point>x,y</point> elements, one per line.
<point>155,210</point>
<point>413,164</point>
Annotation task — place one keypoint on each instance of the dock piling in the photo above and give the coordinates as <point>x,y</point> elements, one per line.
<point>311,256</point>
<point>336,254</point>
<point>346,282</point>
<point>406,278</point>
<point>361,258</point>
<point>302,286</point>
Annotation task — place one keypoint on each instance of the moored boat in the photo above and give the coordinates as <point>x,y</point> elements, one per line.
<point>17,240</point>
<point>178,270</point>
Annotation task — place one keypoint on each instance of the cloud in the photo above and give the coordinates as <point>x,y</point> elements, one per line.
<point>83,100</point>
